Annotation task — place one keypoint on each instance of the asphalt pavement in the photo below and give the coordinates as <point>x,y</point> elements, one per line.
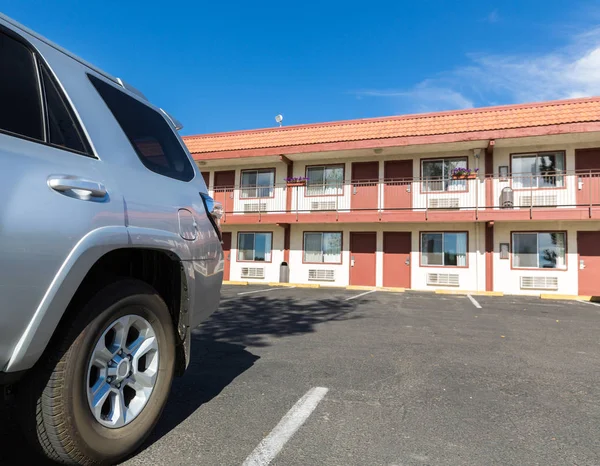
<point>408,379</point>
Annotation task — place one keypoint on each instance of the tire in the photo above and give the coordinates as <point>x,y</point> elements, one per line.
<point>53,402</point>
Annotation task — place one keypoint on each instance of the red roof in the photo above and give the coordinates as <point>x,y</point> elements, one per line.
<point>481,123</point>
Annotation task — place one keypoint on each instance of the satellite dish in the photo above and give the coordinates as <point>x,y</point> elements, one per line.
<point>279,119</point>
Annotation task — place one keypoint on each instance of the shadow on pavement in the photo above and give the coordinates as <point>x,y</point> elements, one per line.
<point>218,356</point>
<point>249,320</point>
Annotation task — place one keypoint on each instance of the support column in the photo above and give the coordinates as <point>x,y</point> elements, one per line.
<point>286,242</point>
<point>489,173</point>
<point>288,190</point>
<point>489,256</point>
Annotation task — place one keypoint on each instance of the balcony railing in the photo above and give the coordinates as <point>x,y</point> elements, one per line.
<point>544,191</point>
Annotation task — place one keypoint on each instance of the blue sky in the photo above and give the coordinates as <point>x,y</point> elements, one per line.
<point>223,66</point>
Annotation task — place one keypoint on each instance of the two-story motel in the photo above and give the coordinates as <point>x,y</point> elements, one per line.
<point>382,204</point>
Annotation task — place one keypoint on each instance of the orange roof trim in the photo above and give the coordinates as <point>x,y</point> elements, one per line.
<point>510,117</point>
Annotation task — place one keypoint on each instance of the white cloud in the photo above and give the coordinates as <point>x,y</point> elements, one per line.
<point>572,71</point>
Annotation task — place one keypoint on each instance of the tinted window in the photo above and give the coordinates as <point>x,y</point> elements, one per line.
<point>20,111</point>
<point>149,133</point>
<point>63,127</point>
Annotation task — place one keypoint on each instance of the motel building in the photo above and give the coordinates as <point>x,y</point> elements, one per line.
<point>503,199</point>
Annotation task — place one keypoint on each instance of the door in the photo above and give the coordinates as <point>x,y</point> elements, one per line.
<point>226,254</point>
<point>588,248</point>
<point>587,165</point>
<point>396,258</point>
<point>362,258</point>
<point>223,184</point>
<point>365,176</point>
<point>398,175</point>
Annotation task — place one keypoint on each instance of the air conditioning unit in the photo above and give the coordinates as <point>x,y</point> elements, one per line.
<point>541,200</point>
<point>322,205</point>
<point>539,283</point>
<point>444,203</point>
<point>443,279</point>
<point>253,272</point>
<point>322,275</point>
<point>255,207</point>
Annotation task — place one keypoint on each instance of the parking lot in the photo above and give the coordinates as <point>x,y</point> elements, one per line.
<point>386,379</point>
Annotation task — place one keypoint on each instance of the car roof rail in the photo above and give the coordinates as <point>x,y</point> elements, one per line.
<point>176,123</point>
<point>130,88</point>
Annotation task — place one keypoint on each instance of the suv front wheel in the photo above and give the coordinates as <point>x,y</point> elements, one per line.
<point>101,388</point>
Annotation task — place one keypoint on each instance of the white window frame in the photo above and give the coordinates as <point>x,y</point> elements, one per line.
<point>443,253</point>
<point>268,253</point>
<point>519,177</point>
<point>445,182</point>
<point>322,233</point>
<point>253,191</point>
<point>325,189</point>
<point>515,255</point>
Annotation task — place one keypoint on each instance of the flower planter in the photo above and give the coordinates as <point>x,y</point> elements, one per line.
<point>470,176</point>
<point>298,183</point>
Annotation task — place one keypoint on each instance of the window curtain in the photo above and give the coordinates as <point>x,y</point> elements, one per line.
<point>312,247</point>
<point>332,247</point>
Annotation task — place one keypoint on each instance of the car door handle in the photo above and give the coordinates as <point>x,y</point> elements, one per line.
<point>63,183</point>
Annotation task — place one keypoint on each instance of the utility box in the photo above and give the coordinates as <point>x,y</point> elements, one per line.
<point>507,198</point>
<point>284,273</point>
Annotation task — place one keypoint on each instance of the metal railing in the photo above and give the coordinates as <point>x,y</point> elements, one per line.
<point>518,191</point>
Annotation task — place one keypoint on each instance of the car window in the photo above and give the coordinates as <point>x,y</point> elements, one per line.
<point>64,130</point>
<point>149,133</point>
<point>21,110</point>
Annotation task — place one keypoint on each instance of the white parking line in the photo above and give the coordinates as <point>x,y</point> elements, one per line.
<point>272,444</point>
<point>266,290</point>
<point>475,303</point>
<point>359,295</point>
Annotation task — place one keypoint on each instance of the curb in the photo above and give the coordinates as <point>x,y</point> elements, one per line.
<point>392,289</point>
<point>296,285</point>
<point>570,297</point>
<point>226,282</point>
<point>472,293</point>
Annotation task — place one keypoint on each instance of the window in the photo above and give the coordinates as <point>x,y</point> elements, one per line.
<point>254,247</point>
<point>148,132</point>
<point>437,175</point>
<point>63,128</point>
<point>325,180</point>
<point>21,110</point>
<point>323,248</point>
<point>257,183</point>
<point>539,250</point>
<point>444,249</point>
<point>543,170</point>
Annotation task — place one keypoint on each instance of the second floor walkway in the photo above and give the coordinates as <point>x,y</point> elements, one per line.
<point>560,196</point>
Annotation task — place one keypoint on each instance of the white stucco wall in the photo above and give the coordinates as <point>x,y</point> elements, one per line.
<point>507,279</point>
<point>468,277</point>
<point>272,268</point>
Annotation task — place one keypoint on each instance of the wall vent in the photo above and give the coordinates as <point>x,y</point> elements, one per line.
<point>253,272</point>
<point>322,205</point>
<point>444,203</point>
<point>325,275</point>
<point>445,279</point>
<point>255,207</point>
<point>541,200</point>
<point>539,283</point>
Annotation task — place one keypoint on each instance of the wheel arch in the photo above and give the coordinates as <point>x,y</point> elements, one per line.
<point>102,256</point>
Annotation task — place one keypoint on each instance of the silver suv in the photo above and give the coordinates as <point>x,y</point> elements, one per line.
<point>110,252</point>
